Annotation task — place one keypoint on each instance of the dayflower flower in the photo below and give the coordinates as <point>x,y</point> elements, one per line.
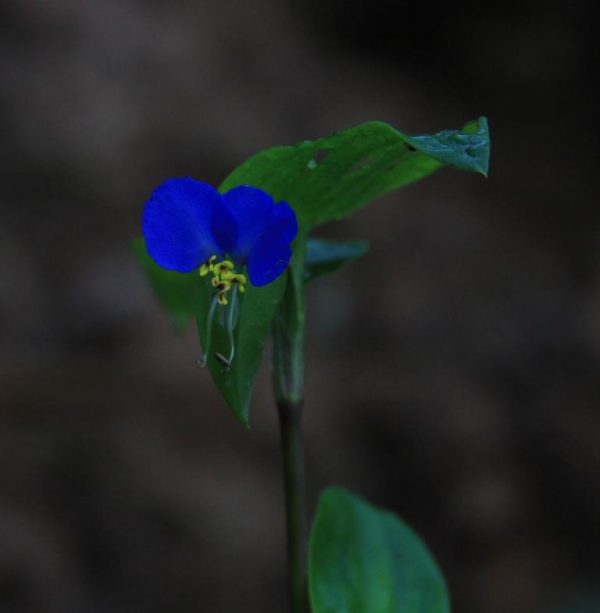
<point>235,236</point>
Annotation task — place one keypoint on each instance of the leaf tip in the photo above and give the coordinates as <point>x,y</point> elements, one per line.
<point>242,414</point>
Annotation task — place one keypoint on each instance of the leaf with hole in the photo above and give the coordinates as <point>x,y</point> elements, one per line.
<point>331,177</point>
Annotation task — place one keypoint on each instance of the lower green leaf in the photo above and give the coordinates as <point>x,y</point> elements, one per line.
<point>366,560</point>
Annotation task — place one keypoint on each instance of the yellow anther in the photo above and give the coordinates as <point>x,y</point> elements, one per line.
<point>223,277</point>
<point>223,267</point>
<point>234,277</point>
<point>222,286</point>
<point>208,266</point>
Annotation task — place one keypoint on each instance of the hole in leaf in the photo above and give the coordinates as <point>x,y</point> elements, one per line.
<point>360,164</point>
<point>410,147</point>
<point>318,158</point>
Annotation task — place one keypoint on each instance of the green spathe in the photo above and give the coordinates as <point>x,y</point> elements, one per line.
<point>257,309</point>
<point>187,296</point>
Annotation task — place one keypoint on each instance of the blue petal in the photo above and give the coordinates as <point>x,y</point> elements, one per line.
<point>255,231</point>
<point>241,221</point>
<point>176,224</point>
<point>271,254</point>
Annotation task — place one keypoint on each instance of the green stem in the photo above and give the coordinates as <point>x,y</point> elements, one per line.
<point>288,385</point>
<point>290,420</point>
<point>288,334</point>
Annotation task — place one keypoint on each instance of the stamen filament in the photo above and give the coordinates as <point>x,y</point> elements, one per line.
<point>230,323</point>
<point>209,325</point>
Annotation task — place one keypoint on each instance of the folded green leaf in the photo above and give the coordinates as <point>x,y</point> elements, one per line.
<point>331,177</point>
<point>366,560</point>
<point>467,149</point>
<point>325,256</point>
<point>178,293</point>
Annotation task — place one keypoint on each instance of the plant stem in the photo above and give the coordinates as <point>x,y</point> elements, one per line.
<point>288,387</point>
<point>290,421</point>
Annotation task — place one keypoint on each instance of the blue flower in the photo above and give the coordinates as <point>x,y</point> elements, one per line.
<point>188,224</point>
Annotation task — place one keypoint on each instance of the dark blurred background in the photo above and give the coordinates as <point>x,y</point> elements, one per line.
<point>463,393</point>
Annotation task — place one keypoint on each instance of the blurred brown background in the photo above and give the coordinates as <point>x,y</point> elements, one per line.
<point>462,393</point>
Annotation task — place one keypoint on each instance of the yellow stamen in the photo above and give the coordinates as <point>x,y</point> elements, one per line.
<point>223,267</point>
<point>223,285</point>
<point>223,277</point>
<point>208,266</point>
<point>234,277</point>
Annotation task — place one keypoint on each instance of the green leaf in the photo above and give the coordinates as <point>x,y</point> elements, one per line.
<point>178,293</point>
<point>324,256</point>
<point>257,309</point>
<point>331,177</point>
<point>366,560</point>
